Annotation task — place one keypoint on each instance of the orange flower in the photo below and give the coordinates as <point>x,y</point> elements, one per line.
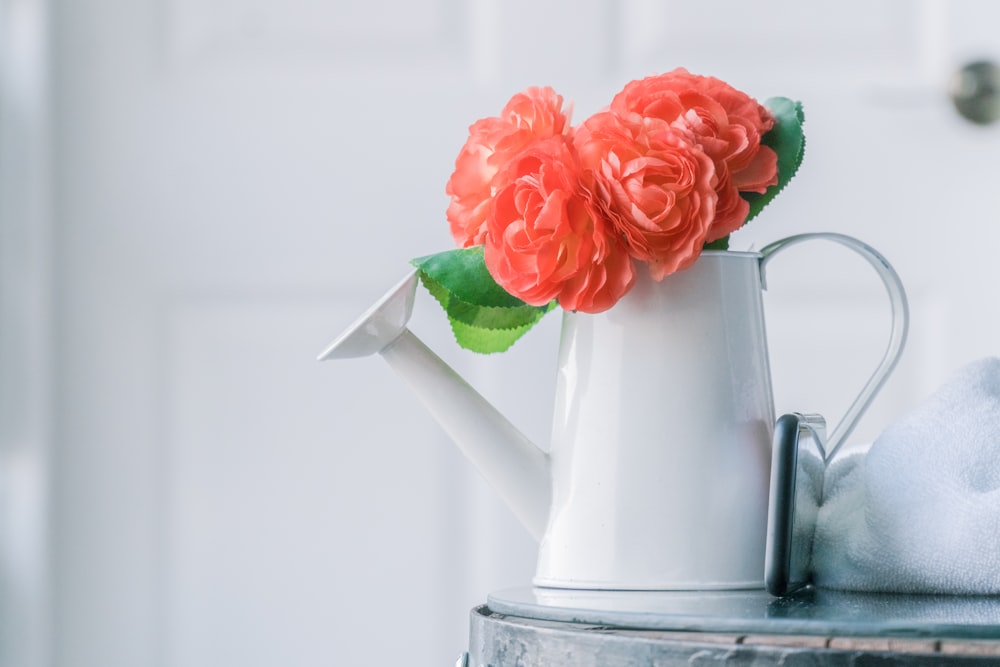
<point>656,185</point>
<point>528,117</point>
<point>727,123</point>
<point>547,238</point>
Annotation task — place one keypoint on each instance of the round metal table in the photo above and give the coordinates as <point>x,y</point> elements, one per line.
<point>523,627</point>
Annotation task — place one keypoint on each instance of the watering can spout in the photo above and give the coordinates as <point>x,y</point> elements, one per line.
<point>511,463</point>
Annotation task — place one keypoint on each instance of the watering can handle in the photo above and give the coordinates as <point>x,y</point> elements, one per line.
<point>897,337</point>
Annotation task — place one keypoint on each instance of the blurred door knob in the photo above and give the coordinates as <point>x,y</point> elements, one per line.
<point>975,91</point>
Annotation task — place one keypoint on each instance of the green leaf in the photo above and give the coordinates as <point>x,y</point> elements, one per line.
<point>487,341</point>
<point>718,244</point>
<point>463,273</point>
<point>483,316</point>
<point>788,141</point>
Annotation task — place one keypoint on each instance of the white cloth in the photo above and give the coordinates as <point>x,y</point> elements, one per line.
<point>920,511</point>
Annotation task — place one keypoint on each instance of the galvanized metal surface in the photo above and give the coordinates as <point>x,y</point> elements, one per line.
<point>507,641</point>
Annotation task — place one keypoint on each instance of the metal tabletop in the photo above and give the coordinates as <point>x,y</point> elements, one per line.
<point>539,626</point>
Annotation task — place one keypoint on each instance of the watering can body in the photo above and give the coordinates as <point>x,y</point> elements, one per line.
<point>661,438</point>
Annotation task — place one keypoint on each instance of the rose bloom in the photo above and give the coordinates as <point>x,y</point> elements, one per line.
<point>547,239</point>
<point>655,183</point>
<point>528,117</point>
<point>726,122</point>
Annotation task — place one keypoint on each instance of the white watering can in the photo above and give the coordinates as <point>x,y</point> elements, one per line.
<point>658,471</point>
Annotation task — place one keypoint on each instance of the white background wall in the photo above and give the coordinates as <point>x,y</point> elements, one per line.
<point>195,196</point>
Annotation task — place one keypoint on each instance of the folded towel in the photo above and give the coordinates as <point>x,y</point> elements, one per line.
<point>919,512</point>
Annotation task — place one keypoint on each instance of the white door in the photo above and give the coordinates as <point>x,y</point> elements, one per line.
<point>230,184</point>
